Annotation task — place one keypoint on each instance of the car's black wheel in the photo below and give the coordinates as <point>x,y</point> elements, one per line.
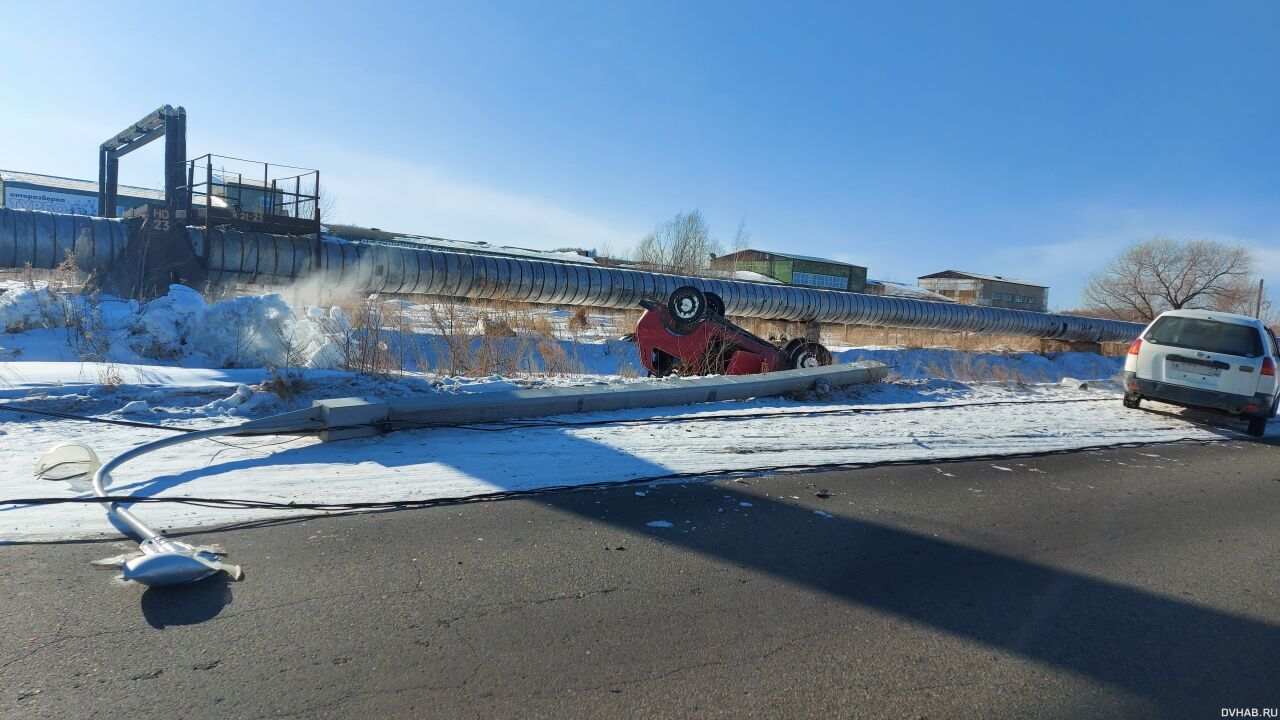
<point>1257,425</point>
<point>809,354</point>
<point>715,304</point>
<point>687,305</point>
<point>1132,401</point>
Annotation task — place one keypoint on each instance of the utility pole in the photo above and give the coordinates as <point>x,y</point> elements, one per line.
<point>1257,305</point>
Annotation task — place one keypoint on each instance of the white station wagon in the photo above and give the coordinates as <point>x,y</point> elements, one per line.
<point>1204,359</point>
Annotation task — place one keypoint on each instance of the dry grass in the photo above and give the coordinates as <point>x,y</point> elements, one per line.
<point>967,368</point>
<point>482,338</point>
<point>286,384</point>
<point>911,339</point>
<point>110,377</point>
<point>477,338</point>
<point>370,346</point>
<point>460,338</point>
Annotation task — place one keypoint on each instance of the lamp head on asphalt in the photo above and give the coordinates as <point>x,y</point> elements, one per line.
<point>167,568</point>
<point>170,562</point>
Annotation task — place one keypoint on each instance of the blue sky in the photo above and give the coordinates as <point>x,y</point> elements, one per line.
<point>1031,140</point>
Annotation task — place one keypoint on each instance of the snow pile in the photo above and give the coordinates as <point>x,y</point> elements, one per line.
<point>23,308</point>
<point>136,407</point>
<point>248,331</point>
<point>243,400</point>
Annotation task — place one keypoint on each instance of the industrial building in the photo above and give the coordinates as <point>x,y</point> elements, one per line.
<point>355,233</point>
<point>799,270</point>
<point>889,288</point>
<point>988,290</point>
<point>32,191</point>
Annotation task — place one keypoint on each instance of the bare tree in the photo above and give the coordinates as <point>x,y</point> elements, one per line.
<point>328,205</point>
<point>741,238</point>
<point>680,245</point>
<point>741,242</point>
<point>1167,274</point>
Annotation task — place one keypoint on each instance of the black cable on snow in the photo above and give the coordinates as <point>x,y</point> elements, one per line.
<point>505,425</point>
<point>502,425</point>
<point>248,504</point>
<point>91,418</point>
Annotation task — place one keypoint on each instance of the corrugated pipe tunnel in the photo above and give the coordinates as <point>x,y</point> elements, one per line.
<point>102,245</point>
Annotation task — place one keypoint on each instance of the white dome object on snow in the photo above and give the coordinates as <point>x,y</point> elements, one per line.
<point>67,461</point>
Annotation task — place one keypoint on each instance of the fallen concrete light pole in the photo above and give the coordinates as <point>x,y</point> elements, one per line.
<point>514,404</point>
<point>165,561</point>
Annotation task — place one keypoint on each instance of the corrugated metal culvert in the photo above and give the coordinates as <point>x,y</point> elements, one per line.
<point>40,238</point>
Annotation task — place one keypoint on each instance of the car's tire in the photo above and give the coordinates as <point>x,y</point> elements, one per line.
<point>687,306</point>
<point>715,304</point>
<point>1132,401</point>
<point>809,354</point>
<point>1257,425</point>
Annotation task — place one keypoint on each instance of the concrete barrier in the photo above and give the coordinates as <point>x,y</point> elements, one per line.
<point>541,402</point>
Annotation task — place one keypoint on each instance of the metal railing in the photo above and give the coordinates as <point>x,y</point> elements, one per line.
<point>249,190</point>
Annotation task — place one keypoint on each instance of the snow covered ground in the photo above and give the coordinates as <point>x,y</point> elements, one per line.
<point>182,388</point>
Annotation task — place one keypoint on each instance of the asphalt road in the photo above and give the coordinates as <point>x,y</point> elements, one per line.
<point>1124,583</point>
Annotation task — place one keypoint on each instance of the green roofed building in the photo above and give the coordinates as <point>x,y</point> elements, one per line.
<point>799,270</point>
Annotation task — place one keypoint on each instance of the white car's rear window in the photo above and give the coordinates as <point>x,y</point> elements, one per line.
<point>1206,335</point>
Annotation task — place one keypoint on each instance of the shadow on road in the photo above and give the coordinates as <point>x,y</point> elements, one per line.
<point>1176,654</point>
<point>186,604</point>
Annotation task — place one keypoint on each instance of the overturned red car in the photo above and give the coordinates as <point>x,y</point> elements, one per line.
<point>690,335</point>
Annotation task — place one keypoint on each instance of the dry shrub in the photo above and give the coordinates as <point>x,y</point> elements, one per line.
<point>494,326</point>
<point>578,321</point>
<point>967,368</point>
<point>555,360</point>
<point>286,384</point>
<point>110,377</point>
<point>86,332</point>
<point>452,338</point>
<point>497,338</point>
<point>67,275</point>
<point>372,345</point>
<point>911,339</point>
